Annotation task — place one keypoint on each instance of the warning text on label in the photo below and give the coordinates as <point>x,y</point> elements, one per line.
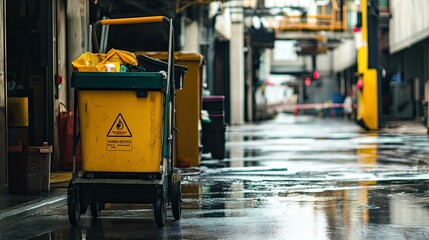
<point>119,143</point>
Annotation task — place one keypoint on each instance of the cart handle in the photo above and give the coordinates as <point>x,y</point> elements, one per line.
<point>125,21</point>
<point>135,20</point>
<point>142,20</point>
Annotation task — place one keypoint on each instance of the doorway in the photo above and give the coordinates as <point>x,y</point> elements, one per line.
<point>29,63</point>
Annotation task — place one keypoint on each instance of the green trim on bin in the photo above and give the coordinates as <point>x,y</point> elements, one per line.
<point>118,80</point>
<point>165,149</point>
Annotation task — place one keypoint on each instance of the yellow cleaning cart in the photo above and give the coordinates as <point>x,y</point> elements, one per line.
<point>126,134</point>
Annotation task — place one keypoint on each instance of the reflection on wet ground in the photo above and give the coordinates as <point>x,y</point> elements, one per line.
<point>341,210</point>
<point>315,142</point>
<point>327,171</point>
<point>290,178</point>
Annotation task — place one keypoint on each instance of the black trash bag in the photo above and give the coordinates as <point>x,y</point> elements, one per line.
<point>156,65</point>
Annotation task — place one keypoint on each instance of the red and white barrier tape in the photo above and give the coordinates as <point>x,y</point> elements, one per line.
<point>309,106</point>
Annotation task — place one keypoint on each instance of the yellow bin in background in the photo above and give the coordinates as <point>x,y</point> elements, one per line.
<point>17,110</point>
<point>188,107</point>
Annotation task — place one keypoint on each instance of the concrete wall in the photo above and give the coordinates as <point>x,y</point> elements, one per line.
<point>342,57</point>
<point>237,81</point>
<point>223,20</point>
<point>61,47</point>
<point>324,63</point>
<point>77,36</point>
<point>60,69</point>
<point>409,23</point>
<point>237,74</point>
<point>192,37</point>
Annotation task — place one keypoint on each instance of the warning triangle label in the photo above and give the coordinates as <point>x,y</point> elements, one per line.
<point>119,128</point>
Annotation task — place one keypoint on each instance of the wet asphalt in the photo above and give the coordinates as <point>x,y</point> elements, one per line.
<point>287,178</point>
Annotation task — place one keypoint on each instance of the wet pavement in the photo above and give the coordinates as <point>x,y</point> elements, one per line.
<point>289,178</point>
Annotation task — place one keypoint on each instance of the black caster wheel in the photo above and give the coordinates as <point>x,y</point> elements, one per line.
<point>73,204</point>
<point>95,209</point>
<point>176,199</point>
<point>160,210</point>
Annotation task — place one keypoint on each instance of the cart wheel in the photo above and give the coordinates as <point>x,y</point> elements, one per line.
<point>160,211</point>
<point>176,199</point>
<point>73,204</point>
<point>95,209</point>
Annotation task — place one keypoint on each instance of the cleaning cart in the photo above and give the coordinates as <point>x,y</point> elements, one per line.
<point>126,131</point>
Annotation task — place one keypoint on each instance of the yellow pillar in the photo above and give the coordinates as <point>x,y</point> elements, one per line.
<point>368,96</point>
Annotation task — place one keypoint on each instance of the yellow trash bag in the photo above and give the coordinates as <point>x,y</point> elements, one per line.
<point>100,62</point>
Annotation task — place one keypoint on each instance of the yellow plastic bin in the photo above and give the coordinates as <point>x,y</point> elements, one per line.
<point>188,107</point>
<point>120,130</point>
